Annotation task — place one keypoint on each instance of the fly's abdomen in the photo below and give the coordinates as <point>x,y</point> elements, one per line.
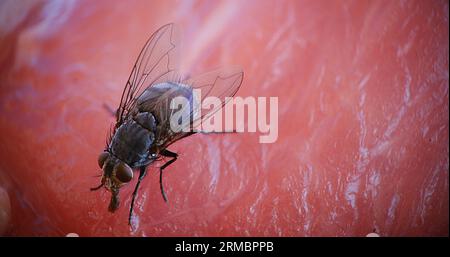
<point>132,140</point>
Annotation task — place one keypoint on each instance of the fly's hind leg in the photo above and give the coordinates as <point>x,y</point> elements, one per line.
<point>142,173</point>
<point>174,157</point>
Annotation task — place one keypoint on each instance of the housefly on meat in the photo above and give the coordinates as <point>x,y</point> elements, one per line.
<point>142,132</point>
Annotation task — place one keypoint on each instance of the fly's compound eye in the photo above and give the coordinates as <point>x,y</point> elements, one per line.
<point>123,172</point>
<point>102,158</point>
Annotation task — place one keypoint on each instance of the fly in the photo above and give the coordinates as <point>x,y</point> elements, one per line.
<point>142,132</point>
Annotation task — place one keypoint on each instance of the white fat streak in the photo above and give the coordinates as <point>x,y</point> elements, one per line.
<point>321,75</point>
<point>374,181</point>
<point>362,84</point>
<point>213,29</point>
<point>429,189</point>
<point>392,208</point>
<point>406,99</point>
<point>304,197</point>
<point>262,195</point>
<point>351,191</point>
<point>363,151</point>
<point>284,50</point>
<point>54,14</point>
<point>379,148</point>
<point>404,49</point>
<point>12,14</point>
<point>281,30</point>
<point>214,164</point>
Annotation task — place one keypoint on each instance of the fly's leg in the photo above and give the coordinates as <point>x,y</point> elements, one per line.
<point>96,188</point>
<point>142,173</point>
<point>174,157</point>
<point>99,186</point>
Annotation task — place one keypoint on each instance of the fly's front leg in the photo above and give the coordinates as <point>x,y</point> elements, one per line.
<point>142,173</point>
<point>174,157</point>
<point>97,187</point>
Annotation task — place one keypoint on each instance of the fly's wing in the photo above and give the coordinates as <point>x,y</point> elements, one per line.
<point>155,64</point>
<point>221,83</point>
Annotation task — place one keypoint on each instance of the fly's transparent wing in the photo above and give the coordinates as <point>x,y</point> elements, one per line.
<point>220,84</point>
<point>156,63</point>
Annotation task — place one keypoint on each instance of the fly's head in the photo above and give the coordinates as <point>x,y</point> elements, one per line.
<point>115,174</point>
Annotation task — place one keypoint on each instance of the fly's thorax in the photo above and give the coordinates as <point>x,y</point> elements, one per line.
<point>132,141</point>
<point>146,120</point>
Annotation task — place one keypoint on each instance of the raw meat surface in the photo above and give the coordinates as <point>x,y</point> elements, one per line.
<point>363,139</point>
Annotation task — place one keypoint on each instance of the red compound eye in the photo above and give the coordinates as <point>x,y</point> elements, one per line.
<point>123,172</point>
